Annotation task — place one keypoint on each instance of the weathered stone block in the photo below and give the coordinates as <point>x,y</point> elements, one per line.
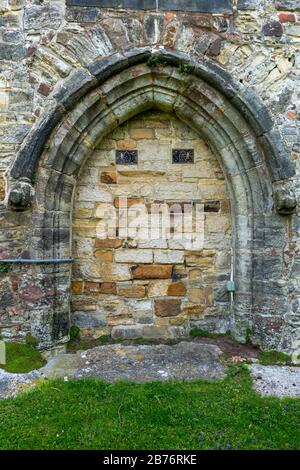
<point>167,307</point>
<point>194,310</point>
<point>39,17</point>
<point>2,188</point>
<point>248,4</point>
<point>108,288</point>
<point>127,332</point>
<point>134,256</point>
<point>82,14</point>
<point>108,177</point>
<point>200,295</point>
<point>177,289</point>
<point>168,256</point>
<point>77,287</point>
<point>204,6</point>
<point>132,291</point>
<point>126,144</point>
<point>104,256</point>
<point>273,28</point>
<point>292,5</point>
<point>155,332</point>
<point>108,243</point>
<point>153,271</point>
<point>141,134</point>
<point>127,202</point>
<point>13,52</point>
<point>91,286</point>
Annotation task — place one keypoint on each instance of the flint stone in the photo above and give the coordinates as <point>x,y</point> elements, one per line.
<point>39,17</point>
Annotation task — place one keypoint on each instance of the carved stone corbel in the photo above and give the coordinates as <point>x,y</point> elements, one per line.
<point>285,199</point>
<point>21,195</point>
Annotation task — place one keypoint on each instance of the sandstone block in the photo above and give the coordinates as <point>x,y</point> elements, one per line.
<point>155,332</point>
<point>104,256</point>
<point>194,310</point>
<point>168,256</point>
<point>200,295</point>
<point>152,271</point>
<point>130,201</point>
<point>177,289</point>
<point>108,177</point>
<point>196,295</point>
<point>133,256</point>
<point>91,286</point>
<point>167,307</point>
<point>139,134</point>
<point>108,243</point>
<point>127,332</point>
<point>77,287</point>
<point>126,144</point>
<point>132,291</point>
<point>88,320</point>
<point>108,288</point>
<point>82,213</point>
<point>195,274</point>
<point>2,188</point>
<point>158,288</point>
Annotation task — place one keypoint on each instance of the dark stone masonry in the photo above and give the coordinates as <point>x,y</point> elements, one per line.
<point>85,81</point>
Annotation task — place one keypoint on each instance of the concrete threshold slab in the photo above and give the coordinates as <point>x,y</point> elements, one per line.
<point>279,381</point>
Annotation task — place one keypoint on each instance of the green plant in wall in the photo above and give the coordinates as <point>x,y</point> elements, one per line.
<point>31,340</point>
<point>156,61</point>
<point>74,332</point>
<point>4,268</point>
<point>184,68</point>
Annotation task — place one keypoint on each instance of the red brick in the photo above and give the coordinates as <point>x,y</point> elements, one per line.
<point>286,17</point>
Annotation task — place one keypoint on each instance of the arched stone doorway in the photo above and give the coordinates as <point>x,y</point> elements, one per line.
<point>94,102</point>
<point>151,269</point>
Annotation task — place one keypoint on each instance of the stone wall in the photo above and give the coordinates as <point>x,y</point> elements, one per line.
<point>43,44</point>
<point>146,283</point>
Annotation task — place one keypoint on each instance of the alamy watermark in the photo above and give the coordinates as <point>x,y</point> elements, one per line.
<point>158,221</point>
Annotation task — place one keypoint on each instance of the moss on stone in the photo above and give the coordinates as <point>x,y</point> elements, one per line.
<point>21,358</point>
<point>198,332</point>
<point>4,268</point>
<point>31,340</point>
<point>74,332</point>
<point>274,357</point>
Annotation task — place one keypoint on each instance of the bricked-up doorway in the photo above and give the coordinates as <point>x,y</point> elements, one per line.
<point>149,283</point>
<point>240,133</point>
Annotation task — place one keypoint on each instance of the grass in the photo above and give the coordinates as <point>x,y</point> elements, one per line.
<point>273,357</point>
<point>22,358</point>
<point>89,414</point>
<point>198,332</point>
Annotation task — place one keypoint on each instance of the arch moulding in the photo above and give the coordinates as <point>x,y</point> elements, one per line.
<point>232,120</point>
